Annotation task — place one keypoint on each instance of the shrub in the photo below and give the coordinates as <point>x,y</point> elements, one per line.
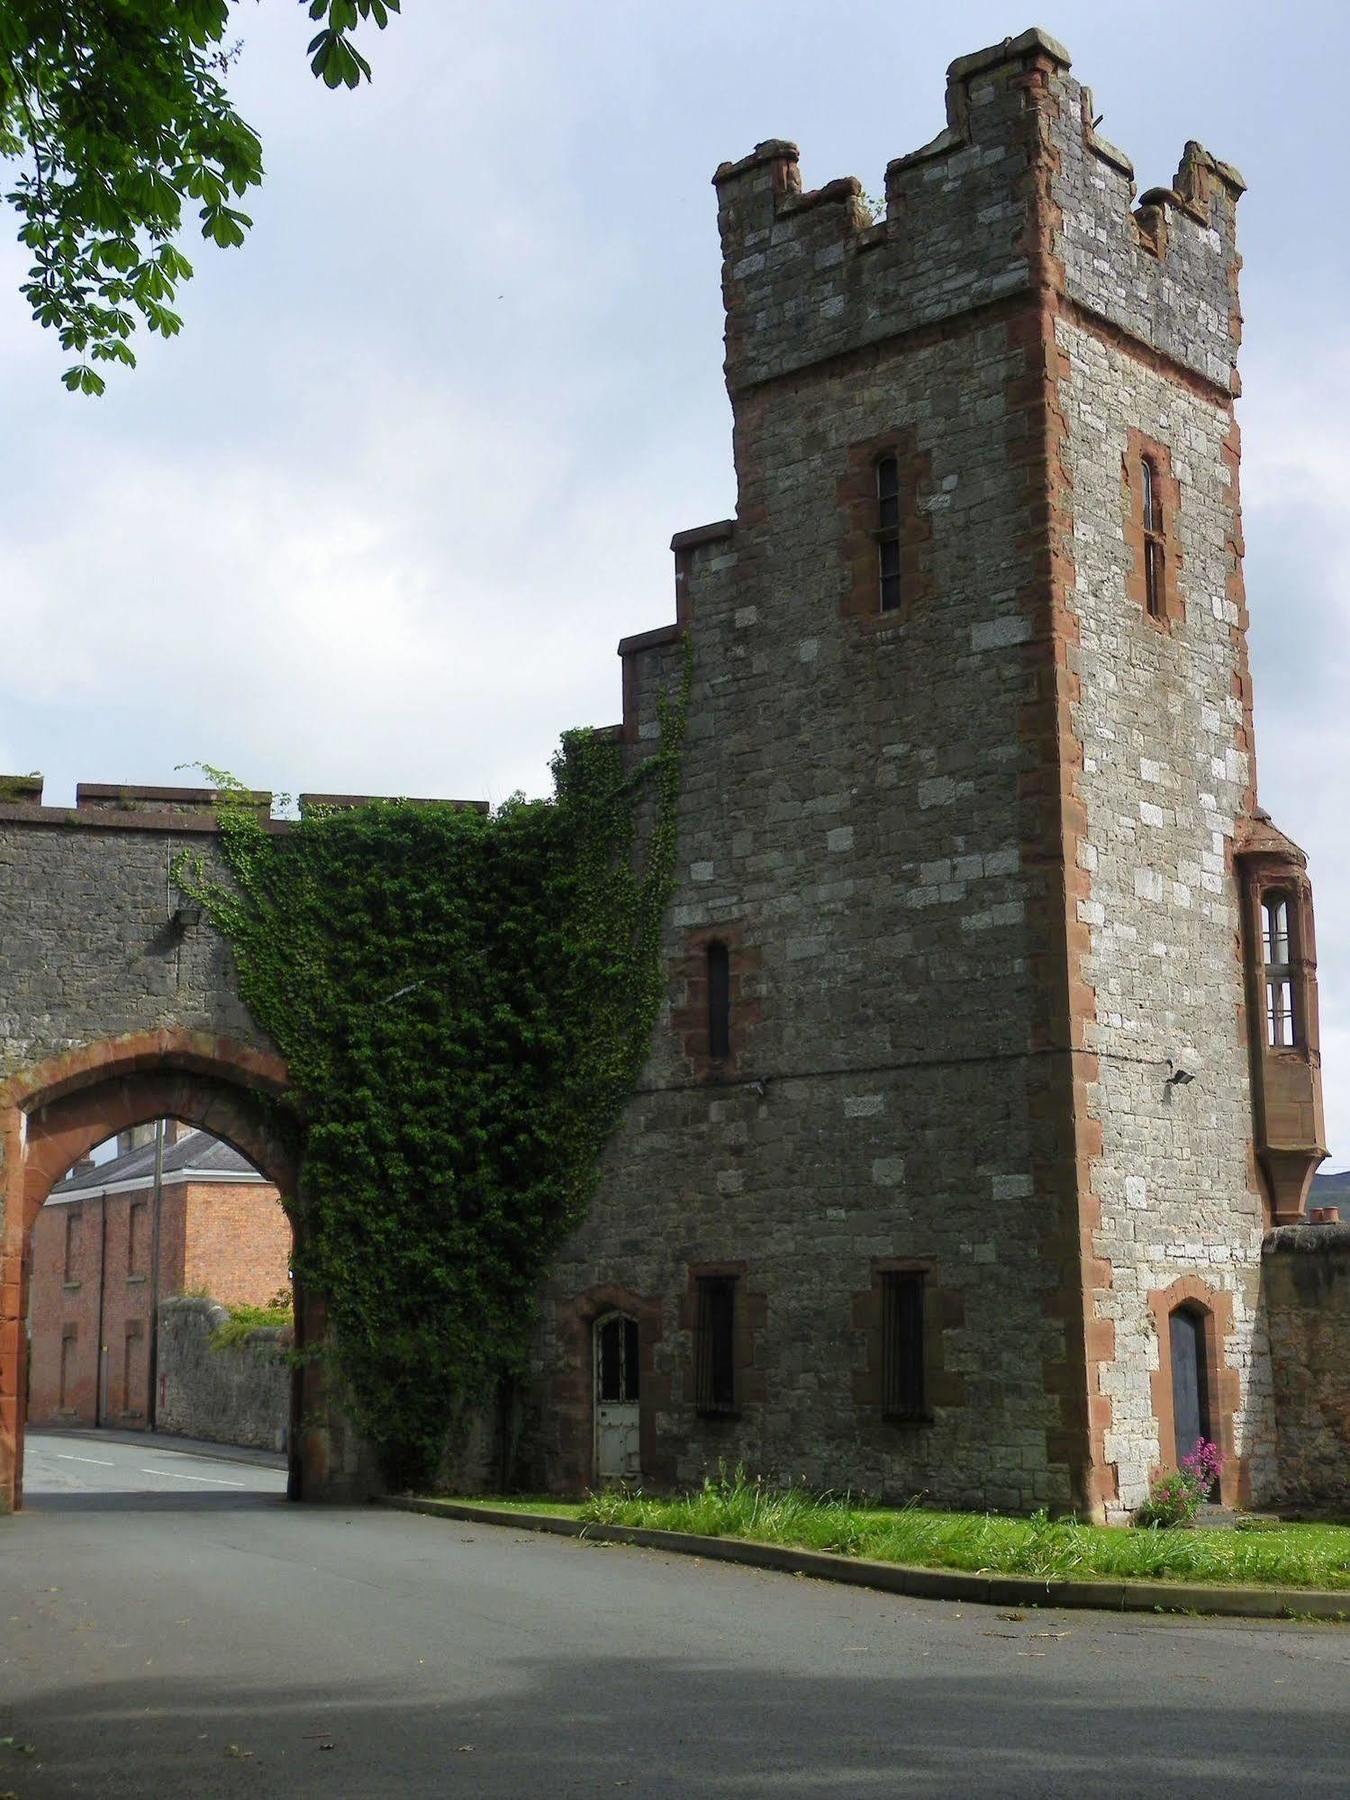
<point>1174,1499</point>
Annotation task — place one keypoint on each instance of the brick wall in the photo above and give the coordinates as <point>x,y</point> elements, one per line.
<point>1306,1277</point>
<point>238,1242</point>
<point>62,1308</point>
<point>233,1240</point>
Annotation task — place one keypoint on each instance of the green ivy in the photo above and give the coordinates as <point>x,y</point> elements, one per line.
<point>245,1319</point>
<point>464,1003</point>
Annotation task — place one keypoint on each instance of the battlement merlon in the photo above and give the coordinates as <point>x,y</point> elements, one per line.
<point>1018,193</point>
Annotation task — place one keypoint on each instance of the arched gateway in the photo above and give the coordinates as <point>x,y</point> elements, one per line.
<point>129,1015</point>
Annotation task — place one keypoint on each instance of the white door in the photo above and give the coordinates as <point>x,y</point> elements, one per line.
<point>618,1456</point>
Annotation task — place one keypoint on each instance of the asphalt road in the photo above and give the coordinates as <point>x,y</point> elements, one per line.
<point>171,1627</point>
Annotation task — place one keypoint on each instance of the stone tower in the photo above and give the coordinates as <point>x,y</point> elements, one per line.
<point>991,1052</point>
<point>972,869</point>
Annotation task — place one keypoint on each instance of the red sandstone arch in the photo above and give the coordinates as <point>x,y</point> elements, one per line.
<point>55,1112</point>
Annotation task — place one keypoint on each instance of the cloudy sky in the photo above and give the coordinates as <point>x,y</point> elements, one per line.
<point>378,518</point>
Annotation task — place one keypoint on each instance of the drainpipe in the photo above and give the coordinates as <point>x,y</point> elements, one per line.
<point>152,1361</point>
<point>102,1359</point>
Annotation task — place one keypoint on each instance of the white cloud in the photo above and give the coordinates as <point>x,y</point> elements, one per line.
<point>1296,483</point>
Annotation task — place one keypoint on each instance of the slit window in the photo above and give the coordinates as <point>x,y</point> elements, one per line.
<point>715,1345</point>
<point>888,533</point>
<point>1278,971</point>
<point>903,1385</point>
<point>719,1002</point>
<point>1155,571</point>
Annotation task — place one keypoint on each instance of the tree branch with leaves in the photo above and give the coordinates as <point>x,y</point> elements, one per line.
<point>118,119</point>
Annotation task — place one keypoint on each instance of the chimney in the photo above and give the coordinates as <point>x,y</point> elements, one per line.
<point>136,1137</point>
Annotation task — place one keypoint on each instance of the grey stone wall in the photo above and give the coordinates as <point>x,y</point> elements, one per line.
<point>852,807</point>
<point>88,952</point>
<point>241,1395</point>
<point>1306,1270</point>
<point>1172,286</point>
<point>1164,787</point>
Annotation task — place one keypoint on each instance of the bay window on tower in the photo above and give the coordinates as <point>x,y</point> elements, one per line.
<point>1278,970</point>
<point>1280,955</point>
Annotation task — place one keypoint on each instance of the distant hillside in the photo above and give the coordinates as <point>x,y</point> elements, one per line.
<point>1330,1190</point>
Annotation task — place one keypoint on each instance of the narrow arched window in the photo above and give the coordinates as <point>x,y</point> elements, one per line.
<point>1155,572</point>
<point>887,533</point>
<point>719,1002</point>
<point>1278,969</point>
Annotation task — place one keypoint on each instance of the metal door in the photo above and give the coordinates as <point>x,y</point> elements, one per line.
<point>618,1455</point>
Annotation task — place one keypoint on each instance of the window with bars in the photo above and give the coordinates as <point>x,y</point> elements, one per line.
<point>719,1002</point>
<point>715,1345</point>
<point>1155,567</point>
<point>617,1373</point>
<point>887,533</point>
<point>1278,960</point>
<point>903,1385</point>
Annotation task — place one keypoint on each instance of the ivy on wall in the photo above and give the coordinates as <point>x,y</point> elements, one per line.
<point>464,1003</point>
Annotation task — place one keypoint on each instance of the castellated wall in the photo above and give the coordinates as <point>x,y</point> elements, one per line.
<point>853,824</point>
<point>975,860</point>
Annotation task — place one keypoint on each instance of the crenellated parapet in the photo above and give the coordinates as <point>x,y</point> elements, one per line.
<point>118,806</point>
<point>1164,270</point>
<point>1017,194</point>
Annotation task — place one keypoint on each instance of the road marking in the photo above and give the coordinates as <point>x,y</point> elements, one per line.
<point>61,1456</point>
<point>210,1480</point>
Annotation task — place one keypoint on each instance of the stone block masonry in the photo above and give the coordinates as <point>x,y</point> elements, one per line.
<point>980,843</point>
<point>971,866</point>
<point>239,1395</point>
<point>1306,1275</point>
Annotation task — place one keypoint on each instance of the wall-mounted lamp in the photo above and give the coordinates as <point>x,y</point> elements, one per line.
<point>757,1086</point>
<point>185,917</point>
<point>1179,1076</point>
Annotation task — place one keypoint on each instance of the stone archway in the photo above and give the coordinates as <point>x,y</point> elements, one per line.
<point>55,1112</point>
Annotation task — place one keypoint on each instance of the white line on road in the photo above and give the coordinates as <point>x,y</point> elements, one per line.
<point>61,1456</point>
<point>210,1480</point>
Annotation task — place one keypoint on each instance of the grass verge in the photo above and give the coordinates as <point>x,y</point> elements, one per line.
<point>1311,1556</point>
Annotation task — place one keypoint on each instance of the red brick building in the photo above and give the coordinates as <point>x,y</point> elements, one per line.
<point>222,1230</point>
